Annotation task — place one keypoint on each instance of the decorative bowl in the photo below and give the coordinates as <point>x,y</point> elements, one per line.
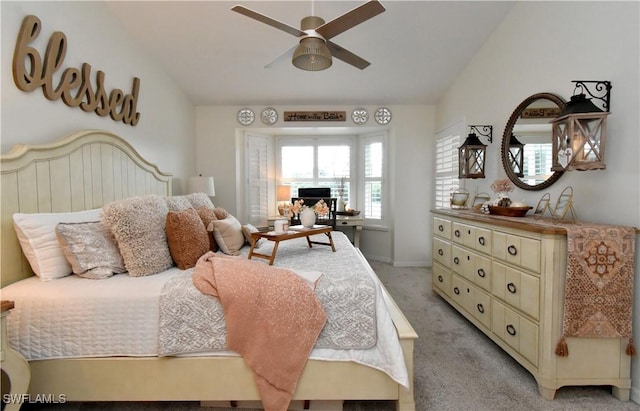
<point>509,211</point>
<point>348,213</point>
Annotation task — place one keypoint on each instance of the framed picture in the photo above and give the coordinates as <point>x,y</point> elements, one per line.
<point>459,199</point>
<point>563,206</point>
<point>479,199</point>
<point>543,206</point>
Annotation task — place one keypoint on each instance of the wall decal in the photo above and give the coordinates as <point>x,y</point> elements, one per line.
<point>30,71</point>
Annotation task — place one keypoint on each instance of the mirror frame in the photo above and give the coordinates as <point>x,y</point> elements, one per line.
<point>508,129</point>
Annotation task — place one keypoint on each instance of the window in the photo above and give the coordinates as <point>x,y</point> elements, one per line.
<point>316,162</point>
<point>446,162</point>
<point>537,163</point>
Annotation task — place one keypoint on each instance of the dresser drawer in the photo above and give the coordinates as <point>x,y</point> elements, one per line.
<point>518,332</point>
<point>479,305</point>
<point>521,251</point>
<point>442,227</point>
<point>516,288</point>
<point>442,251</point>
<point>441,278</point>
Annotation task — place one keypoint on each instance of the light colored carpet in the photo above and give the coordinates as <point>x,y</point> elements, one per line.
<point>456,366</point>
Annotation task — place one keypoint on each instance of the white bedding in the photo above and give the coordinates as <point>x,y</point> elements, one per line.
<point>76,317</point>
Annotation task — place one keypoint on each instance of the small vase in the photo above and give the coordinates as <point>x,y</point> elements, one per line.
<point>307,218</point>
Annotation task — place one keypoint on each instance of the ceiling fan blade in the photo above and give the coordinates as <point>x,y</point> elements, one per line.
<point>347,56</point>
<point>268,20</point>
<point>350,19</point>
<point>287,55</point>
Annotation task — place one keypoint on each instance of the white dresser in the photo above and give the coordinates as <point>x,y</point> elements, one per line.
<point>507,277</point>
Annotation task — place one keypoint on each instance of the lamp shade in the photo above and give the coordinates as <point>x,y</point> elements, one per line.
<point>283,193</point>
<point>312,54</point>
<point>201,184</point>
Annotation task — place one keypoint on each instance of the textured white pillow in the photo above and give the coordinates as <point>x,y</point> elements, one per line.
<point>91,249</point>
<point>178,203</point>
<point>228,235</point>
<point>138,223</point>
<point>37,236</point>
<point>198,200</point>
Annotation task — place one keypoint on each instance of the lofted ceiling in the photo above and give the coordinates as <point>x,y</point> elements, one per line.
<point>218,57</point>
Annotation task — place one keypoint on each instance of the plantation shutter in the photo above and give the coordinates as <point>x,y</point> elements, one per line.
<point>446,163</point>
<point>258,163</point>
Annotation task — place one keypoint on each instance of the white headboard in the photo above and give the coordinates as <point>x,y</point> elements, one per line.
<point>80,172</point>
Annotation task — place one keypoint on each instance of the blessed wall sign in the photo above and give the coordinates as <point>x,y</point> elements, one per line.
<point>74,86</point>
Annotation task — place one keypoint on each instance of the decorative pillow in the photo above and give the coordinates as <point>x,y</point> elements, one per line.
<point>198,200</point>
<point>178,203</point>
<point>228,235</point>
<point>37,237</point>
<point>221,213</point>
<point>91,249</point>
<point>187,237</point>
<point>138,224</point>
<point>247,229</point>
<point>207,216</point>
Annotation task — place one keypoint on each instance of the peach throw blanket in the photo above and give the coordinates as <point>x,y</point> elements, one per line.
<point>273,320</point>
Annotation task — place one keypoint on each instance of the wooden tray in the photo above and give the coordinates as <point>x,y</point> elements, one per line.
<point>349,213</point>
<point>509,211</point>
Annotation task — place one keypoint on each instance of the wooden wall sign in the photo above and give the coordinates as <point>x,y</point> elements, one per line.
<point>315,116</point>
<point>542,112</point>
<point>30,71</point>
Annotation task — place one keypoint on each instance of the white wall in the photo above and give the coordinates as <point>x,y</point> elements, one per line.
<point>542,47</point>
<point>404,242</point>
<point>165,134</point>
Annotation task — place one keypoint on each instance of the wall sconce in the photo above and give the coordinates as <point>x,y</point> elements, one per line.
<point>471,154</point>
<point>516,156</point>
<point>579,133</point>
<point>283,193</point>
<point>201,184</point>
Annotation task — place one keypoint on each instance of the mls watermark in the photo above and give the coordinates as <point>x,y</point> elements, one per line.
<point>34,398</point>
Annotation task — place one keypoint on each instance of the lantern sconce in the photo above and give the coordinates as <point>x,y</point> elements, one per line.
<point>579,133</point>
<point>471,154</point>
<point>516,156</point>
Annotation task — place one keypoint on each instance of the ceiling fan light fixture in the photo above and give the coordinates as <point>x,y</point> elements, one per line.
<point>312,55</point>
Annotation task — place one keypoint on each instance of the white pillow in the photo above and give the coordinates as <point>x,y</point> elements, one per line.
<point>228,235</point>
<point>37,236</point>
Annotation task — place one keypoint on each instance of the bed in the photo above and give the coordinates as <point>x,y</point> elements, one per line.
<point>91,169</point>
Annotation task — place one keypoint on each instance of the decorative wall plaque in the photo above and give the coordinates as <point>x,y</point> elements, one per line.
<point>541,112</point>
<point>74,86</point>
<point>315,116</point>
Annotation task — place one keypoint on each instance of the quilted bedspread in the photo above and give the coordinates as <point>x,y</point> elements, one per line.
<point>191,322</point>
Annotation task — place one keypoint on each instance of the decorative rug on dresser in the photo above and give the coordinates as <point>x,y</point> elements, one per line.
<point>599,284</point>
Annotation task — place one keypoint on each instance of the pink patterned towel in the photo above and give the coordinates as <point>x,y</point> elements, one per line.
<point>273,320</point>
<point>599,284</point>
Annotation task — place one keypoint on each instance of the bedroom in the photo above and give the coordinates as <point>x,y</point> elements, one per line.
<point>517,58</point>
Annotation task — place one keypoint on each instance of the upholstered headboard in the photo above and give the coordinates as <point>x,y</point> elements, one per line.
<point>80,172</point>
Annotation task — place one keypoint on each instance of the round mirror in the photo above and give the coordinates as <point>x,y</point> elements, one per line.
<point>526,143</point>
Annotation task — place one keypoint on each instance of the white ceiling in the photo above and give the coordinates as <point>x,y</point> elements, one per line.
<point>416,49</point>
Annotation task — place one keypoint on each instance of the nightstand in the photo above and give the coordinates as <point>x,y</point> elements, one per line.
<point>12,363</point>
<point>351,221</point>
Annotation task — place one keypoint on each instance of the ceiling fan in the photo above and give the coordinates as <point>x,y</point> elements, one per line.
<point>315,49</point>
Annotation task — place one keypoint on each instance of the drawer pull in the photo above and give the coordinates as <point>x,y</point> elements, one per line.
<point>440,252</point>
<point>441,228</point>
<point>344,223</point>
<point>456,260</point>
<point>440,279</point>
<point>456,290</point>
<point>481,273</point>
<point>512,288</point>
<point>481,240</point>
<point>469,232</point>
<point>457,233</point>
<point>480,308</point>
<point>511,329</point>
<point>512,250</point>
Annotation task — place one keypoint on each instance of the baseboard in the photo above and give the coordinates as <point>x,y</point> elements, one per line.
<point>377,258</point>
<point>411,264</point>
